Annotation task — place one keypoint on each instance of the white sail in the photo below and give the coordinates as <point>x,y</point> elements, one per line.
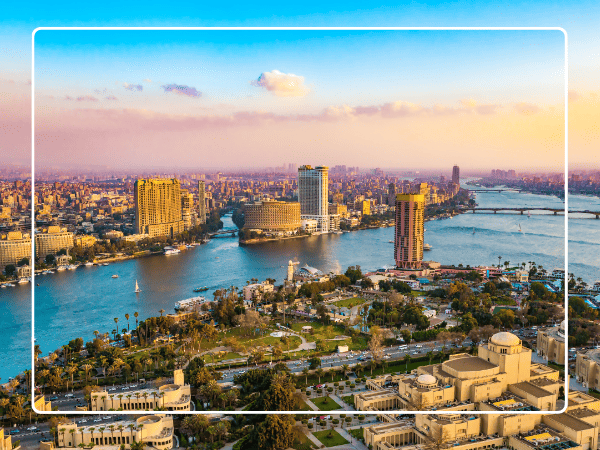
<point>137,288</point>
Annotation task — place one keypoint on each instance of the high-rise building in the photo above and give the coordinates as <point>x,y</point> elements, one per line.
<point>187,204</point>
<point>456,175</point>
<point>13,248</point>
<point>201,202</point>
<point>158,207</point>
<point>410,220</point>
<point>313,193</point>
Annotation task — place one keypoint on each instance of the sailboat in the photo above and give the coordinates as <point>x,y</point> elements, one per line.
<point>473,230</point>
<point>137,288</point>
<point>528,214</point>
<point>520,231</point>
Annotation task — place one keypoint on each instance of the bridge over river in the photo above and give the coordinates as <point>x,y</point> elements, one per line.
<point>555,211</point>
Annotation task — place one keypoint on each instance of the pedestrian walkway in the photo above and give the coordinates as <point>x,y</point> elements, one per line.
<point>353,441</point>
<point>339,401</point>
<point>311,404</point>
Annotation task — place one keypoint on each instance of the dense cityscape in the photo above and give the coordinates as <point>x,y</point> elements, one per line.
<point>421,335</point>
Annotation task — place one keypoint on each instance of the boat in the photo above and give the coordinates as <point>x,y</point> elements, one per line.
<point>72,266</point>
<point>528,214</point>
<point>115,276</point>
<point>89,263</point>
<point>137,287</point>
<point>61,268</point>
<point>10,285</point>
<point>203,289</point>
<point>427,247</point>
<point>473,230</point>
<point>520,231</point>
<point>3,286</point>
<point>105,264</point>
<point>171,251</point>
<point>23,280</point>
<point>391,242</point>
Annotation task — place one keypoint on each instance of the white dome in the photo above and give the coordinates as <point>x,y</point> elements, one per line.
<point>506,339</point>
<point>426,379</point>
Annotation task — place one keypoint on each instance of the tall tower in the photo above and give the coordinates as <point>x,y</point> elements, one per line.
<point>201,202</point>
<point>158,207</point>
<point>456,175</point>
<point>313,193</point>
<point>410,220</point>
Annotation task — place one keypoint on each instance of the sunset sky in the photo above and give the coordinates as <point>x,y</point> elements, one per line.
<point>481,99</point>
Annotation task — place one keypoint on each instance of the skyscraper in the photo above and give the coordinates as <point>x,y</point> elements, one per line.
<point>313,192</point>
<point>201,203</point>
<point>410,219</point>
<point>158,207</point>
<point>456,175</point>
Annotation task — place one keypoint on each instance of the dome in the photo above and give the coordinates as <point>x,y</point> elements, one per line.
<point>506,339</point>
<point>426,379</point>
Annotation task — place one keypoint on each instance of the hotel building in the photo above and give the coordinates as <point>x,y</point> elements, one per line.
<point>313,193</point>
<point>272,216</point>
<point>201,202</point>
<point>51,240</point>
<point>551,344</point>
<point>158,207</point>
<point>155,431</point>
<point>187,204</point>
<point>410,220</point>
<point>456,175</point>
<point>14,246</point>
<point>171,397</point>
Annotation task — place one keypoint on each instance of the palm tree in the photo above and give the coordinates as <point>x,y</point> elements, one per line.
<point>407,359</point>
<point>116,319</point>
<point>305,373</point>
<point>319,372</point>
<point>161,311</point>
<point>127,318</point>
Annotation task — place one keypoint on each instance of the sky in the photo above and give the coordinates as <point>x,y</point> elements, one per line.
<point>138,99</point>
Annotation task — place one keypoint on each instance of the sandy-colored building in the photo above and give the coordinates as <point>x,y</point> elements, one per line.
<point>272,216</point>
<point>14,246</point>
<point>587,368</point>
<point>339,209</point>
<point>6,441</point>
<point>85,241</point>
<point>52,240</point>
<point>170,397</point>
<point>155,431</point>
<point>40,404</point>
<point>551,343</point>
<point>158,207</point>
<point>501,375</point>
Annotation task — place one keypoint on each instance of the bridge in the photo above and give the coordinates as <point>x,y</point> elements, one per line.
<point>223,233</point>
<point>555,211</point>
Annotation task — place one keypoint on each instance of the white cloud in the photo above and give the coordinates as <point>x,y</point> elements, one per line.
<point>282,84</point>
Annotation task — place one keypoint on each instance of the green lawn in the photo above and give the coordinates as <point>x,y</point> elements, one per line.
<point>302,406</point>
<point>334,440</point>
<point>326,403</point>
<point>357,433</point>
<point>349,399</point>
<point>349,302</point>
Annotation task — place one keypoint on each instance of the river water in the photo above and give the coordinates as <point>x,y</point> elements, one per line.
<point>73,304</point>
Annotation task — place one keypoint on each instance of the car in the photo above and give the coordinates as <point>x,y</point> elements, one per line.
<point>53,398</point>
<point>15,431</point>
<point>98,420</point>
<point>113,389</point>
<point>31,428</point>
<point>107,417</point>
<point>69,395</point>
<point>133,385</point>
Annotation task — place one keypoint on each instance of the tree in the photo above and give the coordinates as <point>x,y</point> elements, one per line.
<point>438,439</point>
<point>10,270</point>
<point>276,432</point>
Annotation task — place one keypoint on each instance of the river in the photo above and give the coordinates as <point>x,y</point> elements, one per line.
<point>73,304</point>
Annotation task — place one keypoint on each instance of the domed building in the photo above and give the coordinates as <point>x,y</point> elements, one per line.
<point>551,343</point>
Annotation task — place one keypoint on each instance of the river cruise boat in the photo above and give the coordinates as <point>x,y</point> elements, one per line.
<point>61,268</point>
<point>427,247</point>
<point>190,303</point>
<point>171,251</point>
<point>202,289</point>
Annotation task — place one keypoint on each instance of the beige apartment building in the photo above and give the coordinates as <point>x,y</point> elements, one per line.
<point>158,207</point>
<point>51,240</point>
<point>551,343</point>
<point>187,205</point>
<point>501,377</point>
<point>155,431</point>
<point>339,209</point>
<point>272,216</point>
<point>85,241</point>
<point>14,246</point>
<point>171,397</point>
<point>6,441</point>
